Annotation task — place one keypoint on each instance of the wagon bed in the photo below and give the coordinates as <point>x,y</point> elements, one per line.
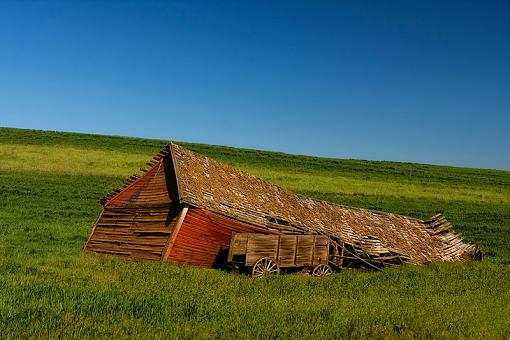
<point>280,251</point>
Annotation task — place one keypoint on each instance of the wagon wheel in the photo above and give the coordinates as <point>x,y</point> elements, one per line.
<point>265,266</point>
<point>322,270</point>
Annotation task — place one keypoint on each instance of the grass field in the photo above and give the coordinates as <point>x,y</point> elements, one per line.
<point>49,187</point>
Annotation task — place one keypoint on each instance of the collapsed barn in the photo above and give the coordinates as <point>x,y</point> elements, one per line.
<point>186,208</point>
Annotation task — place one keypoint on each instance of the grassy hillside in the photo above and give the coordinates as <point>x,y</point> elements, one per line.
<point>49,187</point>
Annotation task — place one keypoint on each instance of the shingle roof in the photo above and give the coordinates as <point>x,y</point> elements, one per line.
<point>212,185</point>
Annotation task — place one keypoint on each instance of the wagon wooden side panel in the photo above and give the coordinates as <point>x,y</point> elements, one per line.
<point>287,250</point>
<point>260,246</point>
<point>321,250</point>
<point>238,246</point>
<point>287,254</point>
<point>304,250</point>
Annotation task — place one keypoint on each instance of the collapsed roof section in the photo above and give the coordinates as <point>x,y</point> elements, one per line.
<point>208,184</point>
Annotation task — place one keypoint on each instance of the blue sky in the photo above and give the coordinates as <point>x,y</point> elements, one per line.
<point>416,81</point>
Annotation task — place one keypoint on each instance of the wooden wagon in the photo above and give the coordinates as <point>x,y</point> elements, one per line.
<point>266,254</point>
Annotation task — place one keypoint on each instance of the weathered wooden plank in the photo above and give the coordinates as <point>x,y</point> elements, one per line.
<point>259,246</point>
<point>321,250</point>
<point>287,252</point>
<point>304,250</point>
<point>239,244</point>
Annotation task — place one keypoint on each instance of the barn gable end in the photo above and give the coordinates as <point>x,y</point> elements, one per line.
<point>137,222</point>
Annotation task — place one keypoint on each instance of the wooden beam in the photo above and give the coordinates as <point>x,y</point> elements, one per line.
<point>362,260</point>
<point>173,237</point>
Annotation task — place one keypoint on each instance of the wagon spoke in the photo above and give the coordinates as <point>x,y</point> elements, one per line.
<point>264,266</point>
<point>257,271</point>
<point>322,270</point>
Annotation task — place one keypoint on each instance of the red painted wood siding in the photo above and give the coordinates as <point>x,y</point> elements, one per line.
<point>149,190</point>
<point>203,235</point>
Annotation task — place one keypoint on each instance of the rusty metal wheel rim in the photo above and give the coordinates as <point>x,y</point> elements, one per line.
<point>322,270</point>
<point>264,267</point>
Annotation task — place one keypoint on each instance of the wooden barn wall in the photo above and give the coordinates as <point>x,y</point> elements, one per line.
<point>204,238</point>
<point>137,223</point>
<point>140,233</point>
<point>149,190</point>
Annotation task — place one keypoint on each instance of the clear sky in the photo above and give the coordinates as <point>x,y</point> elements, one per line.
<point>417,81</point>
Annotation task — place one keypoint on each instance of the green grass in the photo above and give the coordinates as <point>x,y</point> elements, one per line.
<point>49,186</point>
